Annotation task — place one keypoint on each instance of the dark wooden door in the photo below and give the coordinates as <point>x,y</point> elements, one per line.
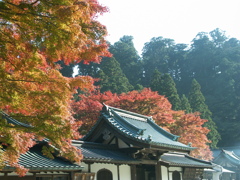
<point>176,175</point>
<point>104,174</point>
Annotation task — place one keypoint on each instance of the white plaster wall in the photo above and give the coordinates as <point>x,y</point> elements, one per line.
<point>164,172</point>
<point>124,170</point>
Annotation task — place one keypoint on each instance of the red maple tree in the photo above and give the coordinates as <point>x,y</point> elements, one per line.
<point>187,126</point>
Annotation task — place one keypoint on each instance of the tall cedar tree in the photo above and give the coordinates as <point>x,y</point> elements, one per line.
<point>197,102</point>
<point>126,54</point>
<point>147,102</point>
<point>111,77</point>
<point>34,35</point>
<point>168,89</point>
<point>156,81</point>
<point>185,105</point>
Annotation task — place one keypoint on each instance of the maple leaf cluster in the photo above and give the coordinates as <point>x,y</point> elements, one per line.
<point>34,35</point>
<point>188,126</point>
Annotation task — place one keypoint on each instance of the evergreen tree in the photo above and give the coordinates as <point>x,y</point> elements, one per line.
<point>185,105</point>
<point>156,81</point>
<point>197,102</point>
<point>126,54</point>
<point>168,88</point>
<point>112,78</point>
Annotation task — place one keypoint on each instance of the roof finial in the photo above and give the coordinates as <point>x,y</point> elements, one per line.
<point>149,137</point>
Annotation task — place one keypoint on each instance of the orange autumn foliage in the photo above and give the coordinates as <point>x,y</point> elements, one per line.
<point>187,126</point>
<point>34,35</point>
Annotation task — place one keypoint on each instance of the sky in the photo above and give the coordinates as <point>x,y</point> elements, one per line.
<point>180,20</point>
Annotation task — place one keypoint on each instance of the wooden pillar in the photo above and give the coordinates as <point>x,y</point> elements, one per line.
<point>133,172</point>
<point>34,175</point>
<point>158,171</point>
<point>168,172</point>
<point>89,167</point>
<point>72,175</point>
<point>118,173</point>
<point>5,176</point>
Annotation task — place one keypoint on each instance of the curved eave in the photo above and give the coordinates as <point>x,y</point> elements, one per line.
<point>85,137</point>
<point>185,165</point>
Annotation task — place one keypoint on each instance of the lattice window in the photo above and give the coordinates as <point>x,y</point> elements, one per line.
<point>192,174</point>
<point>84,176</point>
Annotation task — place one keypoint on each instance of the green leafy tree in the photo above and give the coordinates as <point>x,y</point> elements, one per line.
<point>197,102</point>
<point>112,78</point>
<point>165,55</point>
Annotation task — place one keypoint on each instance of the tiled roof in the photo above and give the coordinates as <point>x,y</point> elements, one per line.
<point>10,120</point>
<point>184,160</point>
<point>35,160</point>
<point>102,153</point>
<point>139,128</point>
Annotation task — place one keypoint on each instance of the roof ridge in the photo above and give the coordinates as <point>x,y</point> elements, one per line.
<point>129,124</point>
<point>125,111</point>
<point>91,144</point>
<point>231,152</point>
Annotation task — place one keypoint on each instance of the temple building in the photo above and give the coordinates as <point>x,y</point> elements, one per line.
<point>122,145</point>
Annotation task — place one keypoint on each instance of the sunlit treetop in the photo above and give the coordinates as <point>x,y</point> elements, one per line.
<point>66,30</point>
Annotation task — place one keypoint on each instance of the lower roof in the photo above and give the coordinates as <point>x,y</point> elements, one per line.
<point>35,160</point>
<point>94,152</point>
<point>101,153</point>
<point>183,160</point>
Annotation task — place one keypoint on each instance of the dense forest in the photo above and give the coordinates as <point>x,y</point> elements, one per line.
<point>200,77</point>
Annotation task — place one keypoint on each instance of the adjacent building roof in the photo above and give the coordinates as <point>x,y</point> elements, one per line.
<point>139,128</point>
<point>183,160</point>
<point>94,152</point>
<point>229,156</point>
<point>235,149</point>
<point>35,160</point>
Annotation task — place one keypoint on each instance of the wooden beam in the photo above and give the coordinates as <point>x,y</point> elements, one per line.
<point>118,173</point>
